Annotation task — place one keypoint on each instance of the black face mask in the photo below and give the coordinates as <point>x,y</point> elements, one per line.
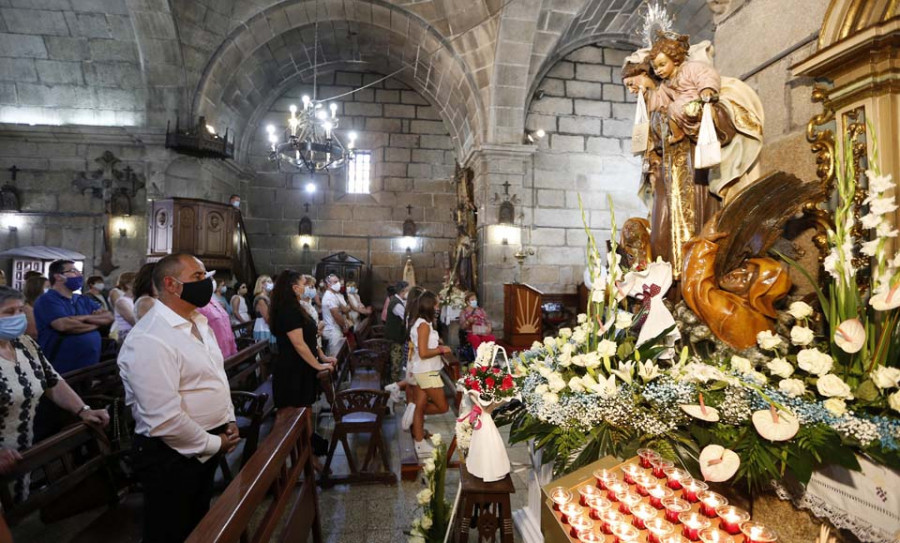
<point>197,293</point>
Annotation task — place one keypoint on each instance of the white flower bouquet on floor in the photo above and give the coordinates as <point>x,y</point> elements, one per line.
<point>431,525</point>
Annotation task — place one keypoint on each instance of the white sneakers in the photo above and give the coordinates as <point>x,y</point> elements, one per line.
<point>423,449</point>
<point>407,420</point>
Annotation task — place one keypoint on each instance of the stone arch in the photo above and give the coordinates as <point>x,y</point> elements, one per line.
<point>276,45</point>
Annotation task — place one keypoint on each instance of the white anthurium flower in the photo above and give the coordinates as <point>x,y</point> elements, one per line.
<point>800,310</point>
<point>835,406</point>
<point>775,425</point>
<point>894,401</point>
<point>607,348</point>
<point>767,340</point>
<point>801,335</point>
<point>718,464</point>
<point>882,206</point>
<point>850,336</point>
<point>575,384</point>
<point>624,320</point>
<point>606,387</point>
<point>792,387</point>
<point>814,361</point>
<point>871,221</point>
<point>625,371</point>
<point>741,364</point>
<point>648,371</point>
<point>780,367</point>
<point>885,378</point>
<point>879,183</point>
<point>886,299</point>
<point>832,386</point>
<point>582,318</point>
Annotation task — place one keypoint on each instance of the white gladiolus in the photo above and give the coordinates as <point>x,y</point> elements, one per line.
<point>869,248</point>
<point>800,310</point>
<point>801,335</point>
<point>885,230</point>
<point>424,496</point>
<point>886,377</point>
<point>882,206</point>
<point>814,361</point>
<point>624,320</point>
<point>768,340</point>
<point>426,522</point>
<point>835,406</point>
<point>780,367</point>
<point>832,386</point>
<point>792,387</point>
<point>879,183</point>
<point>870,221</point>
<point>436,440</point>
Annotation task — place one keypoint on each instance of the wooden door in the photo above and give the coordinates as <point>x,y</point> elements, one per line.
<point>215,232</point>
<point>184,239</point>
<point>161,222</point>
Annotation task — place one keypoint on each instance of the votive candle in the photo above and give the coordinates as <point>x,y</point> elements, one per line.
<point>658,528</point>
<point>674,507</point>
<point>658,493</point>
<point>713,535</point>
<point>732,517</point>
<point>560,497</point>
<point>673,538</point>
<point>691,488</point>
<point>569,511</point>
<point>580,524</point>
<point>598,505</point>
<point>676,476</point>
<point>641,513</point>
<point>610,519</point>
<point>604,477</point>
<point>590,536</point>
<point>642,482</point>
<point>627,500</point>
<point>659,466</point>
<point>647,456</point>
<point>709,501</point>
<point>614,488</point>
<point>755,532</point>
<point>626,533</point>
<point>629,472</point>
<point>589,491</point>
<point>692,524</point>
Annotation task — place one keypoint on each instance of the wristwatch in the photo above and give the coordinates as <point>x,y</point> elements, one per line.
<point>83,409</point>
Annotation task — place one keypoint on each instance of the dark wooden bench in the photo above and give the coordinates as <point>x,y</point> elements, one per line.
<point>249,370</point>
<point>274,471</point>
<point>243,334</point>
<point>100,379</point>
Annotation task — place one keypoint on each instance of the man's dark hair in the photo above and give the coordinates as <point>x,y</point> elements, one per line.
<point>56,268</point>
<point>32,273</point>
<point>169,266</point>
<point>93,280</point>
<point>233,196</point>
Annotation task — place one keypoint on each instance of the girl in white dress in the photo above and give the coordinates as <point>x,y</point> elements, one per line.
<point>426,363</point>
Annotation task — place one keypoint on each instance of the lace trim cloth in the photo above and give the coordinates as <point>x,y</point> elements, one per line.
<point>866,502</point>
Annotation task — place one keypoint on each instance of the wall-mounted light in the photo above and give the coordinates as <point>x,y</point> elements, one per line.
<point>122,227</point>
<point>409,231</point>
<point>12,221</point>
<point>310,188</point>
<point>532,136</point>
<point>505,234</point>
<point>306,242</point>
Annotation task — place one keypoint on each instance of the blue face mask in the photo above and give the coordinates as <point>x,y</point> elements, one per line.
<point>351,290</point>
<point>74,283</point>
<point>473,303</point>
<point>12,327</point>
<point>310,292</point>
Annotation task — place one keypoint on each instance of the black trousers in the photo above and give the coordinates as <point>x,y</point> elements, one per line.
<point>177,489</point>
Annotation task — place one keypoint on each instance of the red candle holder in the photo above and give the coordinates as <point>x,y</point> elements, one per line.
<point>710,501</point>
<point>712,535</point>
<point>691,490</point>
<point>598,505</point>
<point>560,496</point>
<point>569,511</point>
<point>675,477</point>
<point>647,456</point>
<point>657,529</point>
<point>615,488</point>
<point>626,533</point>
<point>674,508</point>
<point>604,477</point>
<point>659,466</point>
<point>642,482</point>
<point>641,513</point>
<point>755,532</point>
<point>610,519</point>
<point>627,500</point>
<point>658,493</point>
<point>587,492</point>
<point>692,524</point>
<point>580,524</point>
<point>630,471</point>
<point>731,518</point>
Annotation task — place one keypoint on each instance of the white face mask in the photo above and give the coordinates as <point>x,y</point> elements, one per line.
<point>99,286</point>
<point>237,204</point>
<point>336,287</point>
<point>269,287</point>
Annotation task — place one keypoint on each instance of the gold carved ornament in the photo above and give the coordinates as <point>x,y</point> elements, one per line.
<point>822,145</point>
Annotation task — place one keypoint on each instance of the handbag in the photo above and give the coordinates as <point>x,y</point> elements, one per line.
<point>640,132</point>
<point>709,151</point>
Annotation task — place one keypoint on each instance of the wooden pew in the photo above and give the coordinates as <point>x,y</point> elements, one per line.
<point>97,380</point>
<point>243,333</point>
<point>274,470</point>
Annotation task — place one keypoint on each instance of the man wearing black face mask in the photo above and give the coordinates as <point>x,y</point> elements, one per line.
<point>176,386</point>
<point>67,322</point>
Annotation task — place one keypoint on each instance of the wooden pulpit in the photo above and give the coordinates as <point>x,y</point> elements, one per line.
<point>522,315</point>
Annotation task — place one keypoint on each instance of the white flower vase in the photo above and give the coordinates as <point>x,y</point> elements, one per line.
<point>487,458</point>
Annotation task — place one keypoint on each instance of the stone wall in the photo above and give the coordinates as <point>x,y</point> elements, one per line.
<point>412,164</point>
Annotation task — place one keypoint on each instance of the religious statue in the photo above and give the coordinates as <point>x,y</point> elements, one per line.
<point>634,243</point>
<point>465,257</point>
<point>728,280</point>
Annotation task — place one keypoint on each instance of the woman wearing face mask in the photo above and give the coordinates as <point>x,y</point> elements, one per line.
<point>239,312</point>
<point>219,297</point>
<point>264,286</point>
<point>25,375</point>
<point>124,308</point>
<point>357,309</point>
<point>309,293</point>
<point>294,373</point>
<point>474,320</point>
<point>34,287</point>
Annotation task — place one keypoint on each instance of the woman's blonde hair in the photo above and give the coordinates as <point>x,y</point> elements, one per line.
<point>260,287</point>
<point>349,284</point>
<point>126,279</point>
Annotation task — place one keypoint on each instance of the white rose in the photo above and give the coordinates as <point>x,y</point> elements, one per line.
<point>582,318</point>
<point>832,386</point>
<point>556,382</point>
<point>780,367</point>
<point>792,387</point>
<point>579,335</point>
<point>426,522</point>
<point>767,340</point>
<point>801,335</point>
<point>416,539</point>
<point>588,382</point>
<point>536,345</point>
<point>886,377</point>
<point>550,398</point>
<point>565,333</point>
<point>814,361</point>
<point>541,389</point>
<point>607,348</point>
<point>550,342</point>
<point>624,320</point>
<point>428,466</point>
<point>576,385</point>
<point>741,364</point>
<point>436,440</point>
<point>564,360</point>
<point>800,310</point>
<point>544,371</point>
<point>894,401</point>
<point>591,360</point>
<point>424,496</point>
<point>835,406</point>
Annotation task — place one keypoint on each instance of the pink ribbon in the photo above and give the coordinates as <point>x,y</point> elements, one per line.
<point>472,417</point>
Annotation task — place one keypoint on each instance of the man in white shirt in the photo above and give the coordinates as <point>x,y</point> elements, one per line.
<point>176,386</point>
<point>336,324</point>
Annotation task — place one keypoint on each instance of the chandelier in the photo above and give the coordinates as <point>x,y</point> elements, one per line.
<point>310,140</point>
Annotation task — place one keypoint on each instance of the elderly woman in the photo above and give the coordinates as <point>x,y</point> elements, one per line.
<point>26,375</point>
<point>357,309</point>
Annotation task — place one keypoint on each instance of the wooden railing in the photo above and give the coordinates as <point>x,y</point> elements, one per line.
<point>274,471</point>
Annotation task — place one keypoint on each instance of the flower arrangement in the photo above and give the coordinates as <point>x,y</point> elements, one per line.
<point>452,296</point>
<point>431,525</point>
<point>492,383</point>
